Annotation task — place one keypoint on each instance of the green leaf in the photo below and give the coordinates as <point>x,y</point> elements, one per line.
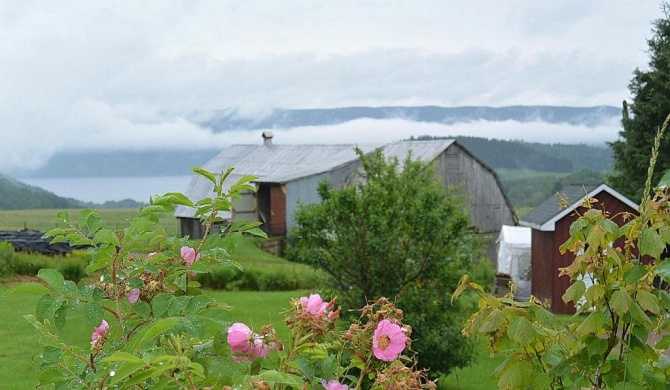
<point>651,243</point>
<point>148,333</point>
<point>123,357</point>
<point>46,307</point>
<point>521,331</point>
<point>205,173</point>
<point>143,309</point>
<point>648,302</point>
<point>517,376</point>
<point>592,323</point>
<point>28,288</point>
<point>52,277</point>
<point>94,313</point>
<point>493,322</point>
<point>620,302</point>
<point>575,292</point>
<point>548,319</point>
<point>160,304</point>
<point>276,377</point>
<point>107,236</point>
<point>594,293</point>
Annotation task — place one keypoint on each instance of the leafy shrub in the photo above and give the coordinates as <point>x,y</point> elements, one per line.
<point>6,257</point>
<point>73,266</point>
<point>260,279</point>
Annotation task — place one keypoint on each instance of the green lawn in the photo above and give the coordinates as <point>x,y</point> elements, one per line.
<point>19,342</point>
<point>475,377</point>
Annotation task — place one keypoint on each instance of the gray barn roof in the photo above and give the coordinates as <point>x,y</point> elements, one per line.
<point>545,216</point>
<point>286,163</point>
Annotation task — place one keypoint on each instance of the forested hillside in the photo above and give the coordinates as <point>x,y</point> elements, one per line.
<point>15,195</point>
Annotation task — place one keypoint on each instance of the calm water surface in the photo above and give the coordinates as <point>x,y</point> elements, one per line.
<point>102,189</point>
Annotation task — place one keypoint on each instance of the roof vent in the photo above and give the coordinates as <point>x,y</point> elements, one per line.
<point>267,138</point>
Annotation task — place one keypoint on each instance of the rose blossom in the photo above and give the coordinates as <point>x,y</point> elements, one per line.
<point>240,337</point>
<point>388,341</point>
<point>133,295</point>
<point>314,305</point>
<point>333,385</point>
<point>189,255</point>
<point>99,333</point>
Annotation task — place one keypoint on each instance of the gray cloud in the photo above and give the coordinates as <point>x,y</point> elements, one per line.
<point>90,75</point>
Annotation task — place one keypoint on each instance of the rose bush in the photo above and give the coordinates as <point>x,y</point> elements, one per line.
<point>152,324</point>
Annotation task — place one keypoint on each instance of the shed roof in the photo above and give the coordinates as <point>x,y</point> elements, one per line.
<point>545,216</point>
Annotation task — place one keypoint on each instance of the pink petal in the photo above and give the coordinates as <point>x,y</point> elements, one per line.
<point>133,295</point>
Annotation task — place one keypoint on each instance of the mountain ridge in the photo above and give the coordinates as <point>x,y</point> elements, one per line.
<point>232,119</point>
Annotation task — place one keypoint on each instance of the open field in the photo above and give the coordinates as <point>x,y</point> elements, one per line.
<point>44,219</point>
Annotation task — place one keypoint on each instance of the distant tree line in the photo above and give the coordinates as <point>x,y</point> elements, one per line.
<point>517,154</point>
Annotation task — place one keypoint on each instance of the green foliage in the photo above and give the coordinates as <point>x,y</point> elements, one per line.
<point>651,98</point>
<point>260,278</point>
<point>395,234</point>
<point>150,319</point>
<point>606,344</point>
<point>533,190</point>
<point>6,258</point>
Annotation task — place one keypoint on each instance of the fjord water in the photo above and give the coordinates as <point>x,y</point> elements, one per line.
<point>102,189</point>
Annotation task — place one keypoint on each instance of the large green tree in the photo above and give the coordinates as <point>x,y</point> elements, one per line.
<point>641,119</point>
<point>398,233</point>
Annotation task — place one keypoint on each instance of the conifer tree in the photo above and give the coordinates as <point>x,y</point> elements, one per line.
<point>650,90</point>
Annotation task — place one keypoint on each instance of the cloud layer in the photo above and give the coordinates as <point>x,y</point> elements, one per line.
<point>104,75</point>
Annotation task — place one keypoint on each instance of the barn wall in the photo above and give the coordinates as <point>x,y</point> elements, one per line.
<point>561,234</point>
<point>488,207</point>
<point>560,284</point>
<point>304,191</point>
<point>191,227</point>
<point>245,207</point>
<point>541,264</point>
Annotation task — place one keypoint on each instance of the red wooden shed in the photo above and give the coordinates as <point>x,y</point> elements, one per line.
<point>550,226</point>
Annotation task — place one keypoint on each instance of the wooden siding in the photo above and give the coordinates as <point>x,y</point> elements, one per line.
<point>245,207</point>
<point>305,190</point>
<point>486,201</point>
<point>546,258</point>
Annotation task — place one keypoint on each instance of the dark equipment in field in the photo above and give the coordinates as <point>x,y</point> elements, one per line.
<point>32,241</point>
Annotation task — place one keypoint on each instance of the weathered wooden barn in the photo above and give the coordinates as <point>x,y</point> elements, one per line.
<point>550,226</point>
<point>289,176</point>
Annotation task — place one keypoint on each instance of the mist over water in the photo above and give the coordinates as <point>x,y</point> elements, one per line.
<point>102,189</point>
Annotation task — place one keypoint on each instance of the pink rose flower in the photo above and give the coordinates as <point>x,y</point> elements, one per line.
<point>240,337</point>
<point>333,385</point>
<point>388,341</point>
<point>99,333</point>
<point>314,305</point>
<point>133,295</point>
<point>259,348</point>
<point>189,255</point>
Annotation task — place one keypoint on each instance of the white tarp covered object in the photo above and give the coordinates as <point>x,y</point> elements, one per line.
<point>514,258</point>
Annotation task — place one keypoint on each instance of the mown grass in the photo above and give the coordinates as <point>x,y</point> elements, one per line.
<point>19,341</point>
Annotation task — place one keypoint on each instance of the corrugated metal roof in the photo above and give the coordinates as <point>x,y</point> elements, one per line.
<point>285,163</point>
<point>421,150</point>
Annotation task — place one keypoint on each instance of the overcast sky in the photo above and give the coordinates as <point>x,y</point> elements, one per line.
<point>129,74</point>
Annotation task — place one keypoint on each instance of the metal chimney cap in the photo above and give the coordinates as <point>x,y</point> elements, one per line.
<point>267,138</point>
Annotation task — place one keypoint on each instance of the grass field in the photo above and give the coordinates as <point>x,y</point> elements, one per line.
<point>19,341</point>
<point>44,219</point>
